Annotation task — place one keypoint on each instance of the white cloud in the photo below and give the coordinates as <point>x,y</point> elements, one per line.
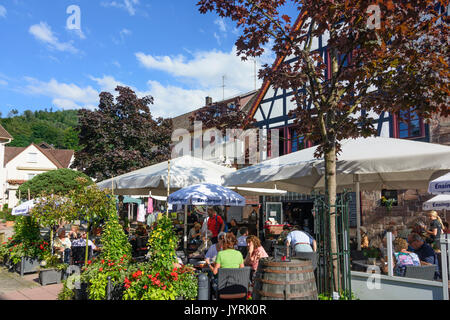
<point>217,38</point>
<point>43,32</point>
<point>221,24</point>
<point>2,12</point>
<point>3,82</point>
<point>206,69</point>
<point>63,95</point>
<point>128,5</point>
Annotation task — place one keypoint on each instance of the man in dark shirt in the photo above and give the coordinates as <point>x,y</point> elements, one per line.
<point>425,252</point>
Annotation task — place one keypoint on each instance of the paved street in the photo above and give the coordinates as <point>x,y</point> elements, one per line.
<point>14,287</point>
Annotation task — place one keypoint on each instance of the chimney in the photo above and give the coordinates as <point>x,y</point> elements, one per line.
<point>208,101</point>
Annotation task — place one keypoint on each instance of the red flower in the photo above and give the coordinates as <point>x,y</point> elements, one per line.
<point>145,287</point>
<point>42,247</point>
<point>174,269</point>
<point>157,282</point>
<point>156,275</point>
<point>124,255</point>
<point>126,286</point>
<point>100,269</point>
<point>89,261</point>
<point>164,288</point>
<point>103,261</point>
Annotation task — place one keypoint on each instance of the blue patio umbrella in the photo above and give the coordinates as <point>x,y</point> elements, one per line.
<point>206,194</point>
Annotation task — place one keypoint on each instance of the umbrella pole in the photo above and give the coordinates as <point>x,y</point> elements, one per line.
<point>358,210</point>
<point>168,187</point>
<point>185,227</point>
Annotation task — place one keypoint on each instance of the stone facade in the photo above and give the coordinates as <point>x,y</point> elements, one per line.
<point>376,218</point>
<point>440,130</point>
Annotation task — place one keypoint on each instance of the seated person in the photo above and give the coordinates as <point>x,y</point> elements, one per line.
<point>232,227</point>
<point>255,252</point>
<point>425,252</point>
<point>74,229</point>
<point>364,238</point>
<point>203,247</point>
<point>62,245</point>
<point>228,257</point>
<point>242,240</point>
<point>81,241</point>
<point>212,252</point>
<point>141,231</point>
<point>195,234</point>
<point>403,257</point>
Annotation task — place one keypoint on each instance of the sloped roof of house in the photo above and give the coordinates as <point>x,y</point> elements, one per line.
<point>183,121</point>
<point>278,61</point>
<point>60,157</point>
<point>4,134</point>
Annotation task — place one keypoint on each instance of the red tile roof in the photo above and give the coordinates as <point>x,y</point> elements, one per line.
<point>4,133</point>
<point>60,157</point>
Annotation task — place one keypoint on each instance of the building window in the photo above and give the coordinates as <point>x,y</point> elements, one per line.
<point>296,142</point>
<point>32,157</point>
<point>409,125</point>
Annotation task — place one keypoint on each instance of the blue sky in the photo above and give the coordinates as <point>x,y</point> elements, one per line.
<point>163,48</point>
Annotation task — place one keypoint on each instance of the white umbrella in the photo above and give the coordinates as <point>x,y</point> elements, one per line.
<point>379,163</point>
<point>365,163</point>
<point>439,202</point>
<point>184,171</point>
<point>24,208</point>
<point>440,185</point>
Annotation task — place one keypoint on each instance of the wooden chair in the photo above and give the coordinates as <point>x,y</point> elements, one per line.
<point>79,254</point>
<point>233,283</point>
<point>420,272</point>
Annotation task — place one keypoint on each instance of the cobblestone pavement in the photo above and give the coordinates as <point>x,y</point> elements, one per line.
<point>14,287</point>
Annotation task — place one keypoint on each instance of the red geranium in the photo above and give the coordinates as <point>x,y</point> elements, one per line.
<point>100,269</point>
<point>145,287</point>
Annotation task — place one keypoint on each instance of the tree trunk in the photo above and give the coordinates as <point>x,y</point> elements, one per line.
<point>330,185</point>
<point>87,246</point>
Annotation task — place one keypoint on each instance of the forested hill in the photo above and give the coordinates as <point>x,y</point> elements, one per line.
<point>57,128</point>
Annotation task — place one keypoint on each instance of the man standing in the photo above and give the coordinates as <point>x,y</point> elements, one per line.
<point>300,241</point>
<point>215,224</point>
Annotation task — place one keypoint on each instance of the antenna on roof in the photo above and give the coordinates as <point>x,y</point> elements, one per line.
<point>223,87</point>
<point>254,60</point>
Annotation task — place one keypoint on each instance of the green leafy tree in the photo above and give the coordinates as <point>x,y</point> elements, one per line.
<point>59,182</point>
<point>91,204</point>
<point>55,128</point>
<point>50,211</point>
<point>121,136</point>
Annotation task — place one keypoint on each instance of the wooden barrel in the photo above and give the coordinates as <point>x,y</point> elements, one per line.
<point>285,280</point>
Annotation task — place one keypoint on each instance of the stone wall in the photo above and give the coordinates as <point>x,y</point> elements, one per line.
<point>440,130</point>
<point>376,218</point>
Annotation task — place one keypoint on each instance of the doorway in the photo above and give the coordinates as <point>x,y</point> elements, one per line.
<point>300,213</point>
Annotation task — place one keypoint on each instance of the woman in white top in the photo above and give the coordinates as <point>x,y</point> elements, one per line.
<point>62,245</point>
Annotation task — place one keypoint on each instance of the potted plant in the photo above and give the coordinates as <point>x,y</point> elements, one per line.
<point>371,254</point>
<point>51,270</point>
<point>26,248</point>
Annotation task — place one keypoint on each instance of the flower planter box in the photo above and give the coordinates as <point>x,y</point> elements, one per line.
<point>27,265</point>
<point>50,276</point>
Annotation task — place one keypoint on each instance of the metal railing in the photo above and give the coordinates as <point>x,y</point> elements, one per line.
<point>333,268</point>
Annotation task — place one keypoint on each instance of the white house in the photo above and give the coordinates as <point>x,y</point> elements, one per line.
<point>5,138</point>
<point>22,164</point>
